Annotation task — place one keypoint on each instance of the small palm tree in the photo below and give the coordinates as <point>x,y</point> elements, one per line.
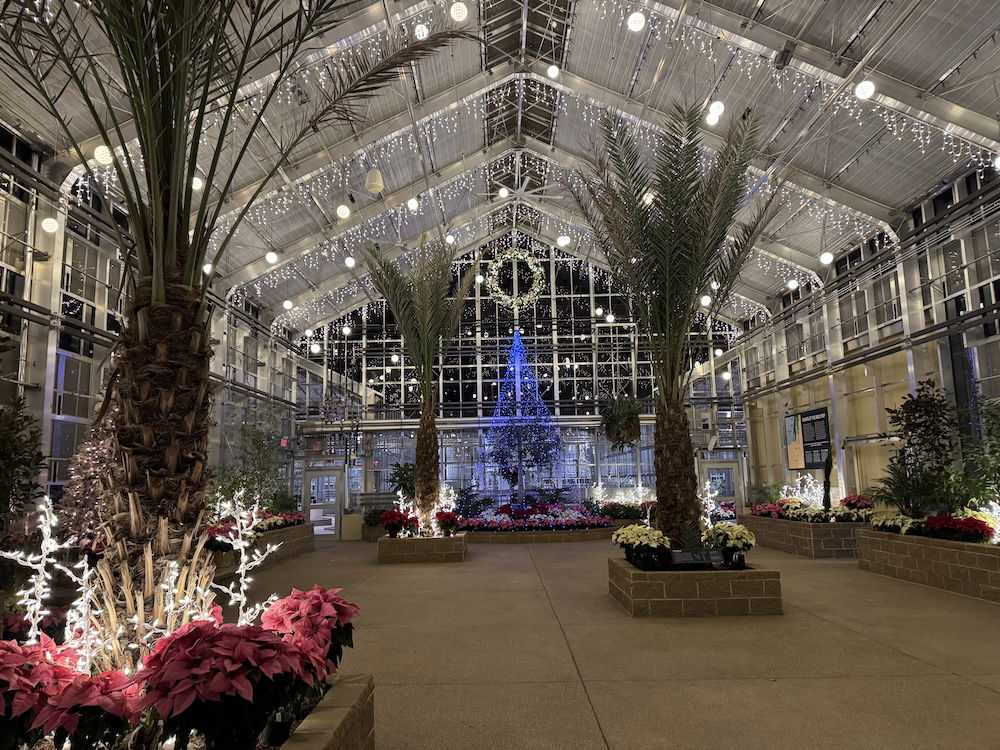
<point>427,305</point>
<point>177,94</point>
<point>668,226</point>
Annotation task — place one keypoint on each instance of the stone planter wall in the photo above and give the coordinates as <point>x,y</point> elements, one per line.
<point>372,533</point>
<point>813,540</point>
<point>970,569</point>
<point>344,719</point>
<point>294,540</point>
<point>539,537</point>
<point>422,549</point>
<point>695,593</point>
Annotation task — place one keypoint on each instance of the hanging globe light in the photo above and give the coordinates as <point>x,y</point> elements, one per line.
<point>373,181</point>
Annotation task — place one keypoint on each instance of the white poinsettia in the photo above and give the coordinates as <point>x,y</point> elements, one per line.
<point>730,535</point>
<point>640,535</point>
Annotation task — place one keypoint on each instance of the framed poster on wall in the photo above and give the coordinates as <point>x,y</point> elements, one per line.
<point>807,439</point>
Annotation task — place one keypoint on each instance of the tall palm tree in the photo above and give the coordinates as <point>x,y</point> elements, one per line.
<point>177,93</point>
<point>427,305</point>
<point>672,228</point>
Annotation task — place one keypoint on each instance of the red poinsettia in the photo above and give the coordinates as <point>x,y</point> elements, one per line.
<point>313,613</point>
<point>395,520</point>
<point>30,676</point>
<point>857,502</point>
<point>958,529</point>
<point>203,662</point>
<point>112,693</point>
<point>766,509</point>
<point>447,521</point>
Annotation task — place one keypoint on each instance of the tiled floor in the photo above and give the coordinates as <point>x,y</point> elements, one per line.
<point>521,647</point>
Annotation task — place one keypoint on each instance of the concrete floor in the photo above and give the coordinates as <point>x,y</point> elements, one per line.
<point>521,647</point>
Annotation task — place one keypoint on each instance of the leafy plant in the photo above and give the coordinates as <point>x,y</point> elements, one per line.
<point>254,468</point>
<point>552,495</point>
<point>372,516</point>
<point>21,459</point>
<point>402,479</point>
<point>427,305</point>
<point>623,511</point>
<point>620,420</point>
<point>667,225</point>
<point>763,494</point>
<point>924,473</point>
<point>469,503</point>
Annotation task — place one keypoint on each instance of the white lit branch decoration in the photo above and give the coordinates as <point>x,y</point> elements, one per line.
<point>242,537</point>
<point>32,597</point>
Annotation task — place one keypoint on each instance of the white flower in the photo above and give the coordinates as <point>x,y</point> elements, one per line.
<point>639,535</point>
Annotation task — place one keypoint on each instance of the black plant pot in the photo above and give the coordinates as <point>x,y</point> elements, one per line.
<point>733,558</point>
<point>392,532</point>
<point>446,532</point>
<point>277,731</point>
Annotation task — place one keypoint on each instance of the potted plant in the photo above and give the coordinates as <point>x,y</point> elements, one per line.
<point>734,540</point>
<point>620,420</point>
<point>645,548</point>
<point>447,521</point>
<point>395,521</point>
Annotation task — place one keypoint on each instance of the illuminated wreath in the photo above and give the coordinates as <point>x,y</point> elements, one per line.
<point>524,299</point>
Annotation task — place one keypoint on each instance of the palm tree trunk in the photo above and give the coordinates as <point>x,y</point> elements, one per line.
<point>673,461</point>
<point>156,507</point>
<point>426,469</point>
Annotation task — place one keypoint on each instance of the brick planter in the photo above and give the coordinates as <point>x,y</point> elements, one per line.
<point>970,569</point>
<point>814,540</point>
<point>372,533</point>
<point>344,719</point>
<point>422,549</point>
<point>695,593</point>
<point>539,537</point>
<point>294,541</point>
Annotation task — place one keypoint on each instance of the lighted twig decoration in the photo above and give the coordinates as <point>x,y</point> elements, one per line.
<point>241,536</point>
<point>32,597</point>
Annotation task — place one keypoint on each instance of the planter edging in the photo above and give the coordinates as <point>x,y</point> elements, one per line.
<point>696,593</point>
<point>805,539</point>
<point>422,549</point>
<point>294,541</point>
<point>343,719</point>
<point>959,567</point>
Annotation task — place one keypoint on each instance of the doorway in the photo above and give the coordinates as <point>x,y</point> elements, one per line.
<point>322,490</point>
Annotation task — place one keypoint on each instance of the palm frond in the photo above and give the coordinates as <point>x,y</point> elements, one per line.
<point>672,222</point>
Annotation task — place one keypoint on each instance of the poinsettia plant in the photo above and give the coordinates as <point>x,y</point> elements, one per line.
<point>205,671</point>
<point>857,502</point>
<point>91,711</point>
<point>958,529</point>
<point>395,521</point>
<point>447,521</point>
<point>30,676</point>
<point>317,618</point>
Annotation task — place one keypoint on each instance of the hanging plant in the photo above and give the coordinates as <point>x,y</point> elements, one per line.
<point>620,420</point>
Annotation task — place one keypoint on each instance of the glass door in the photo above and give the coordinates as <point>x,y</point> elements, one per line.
<point>322,495</point>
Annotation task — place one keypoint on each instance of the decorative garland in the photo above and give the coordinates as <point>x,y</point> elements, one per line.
<point>525,299</point>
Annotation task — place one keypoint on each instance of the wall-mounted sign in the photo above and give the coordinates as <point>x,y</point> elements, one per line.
<point>807,439</point>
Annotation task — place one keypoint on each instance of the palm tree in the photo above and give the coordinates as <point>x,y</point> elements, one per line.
<point>178,93</point>
<point>668,226</point>
<point>427,306</point>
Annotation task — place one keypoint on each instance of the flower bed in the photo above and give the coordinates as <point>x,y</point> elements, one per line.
<point>536,517</point>
<point>542,537</point>
<point>294,540</point>
<point>962,567</point>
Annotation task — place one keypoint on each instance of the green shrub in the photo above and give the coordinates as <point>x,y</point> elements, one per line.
<point>763,494</point>
<point>371,516</point>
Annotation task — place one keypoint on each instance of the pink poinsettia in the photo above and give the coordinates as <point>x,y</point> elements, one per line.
<point>111,692</point>
<point>33,674</point>
<point>311,614</point>
<point>203,661</point>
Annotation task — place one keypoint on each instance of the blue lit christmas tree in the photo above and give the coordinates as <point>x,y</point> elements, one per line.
<point>522,434</point>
